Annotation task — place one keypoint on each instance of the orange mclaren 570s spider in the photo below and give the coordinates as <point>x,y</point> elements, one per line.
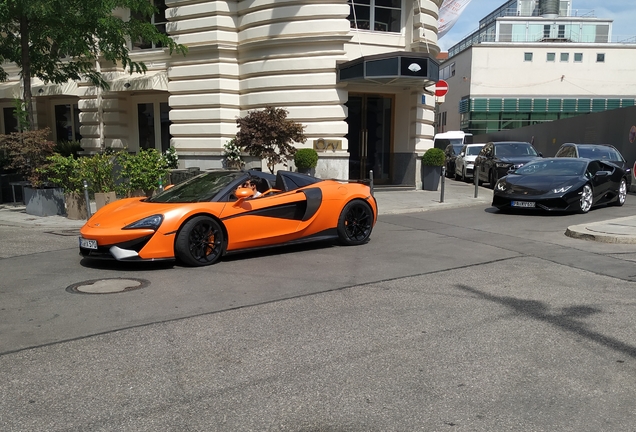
<point>200,220</point>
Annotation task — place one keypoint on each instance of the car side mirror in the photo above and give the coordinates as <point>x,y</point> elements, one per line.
<point>242,194</point>
<point>540,154</point>
<point>602,174</point>
<point>168,187</point>
<point>462,154</point>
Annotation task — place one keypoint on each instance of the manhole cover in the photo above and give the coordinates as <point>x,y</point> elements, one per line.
<point>107,286</point>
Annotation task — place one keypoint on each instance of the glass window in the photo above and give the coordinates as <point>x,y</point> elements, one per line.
<point>550,57</point>
<point>376,15</point>
<point>600,58</point>
<point>153,120</point>
<point>561,32</point>
<point>146,123</point>
<point>527,56</point>
<point>546,31</point>
<point>159,20</point>
<point>10,120</point>
<point>67,123</point>
<point>565,57</point>
<point>578,57</point>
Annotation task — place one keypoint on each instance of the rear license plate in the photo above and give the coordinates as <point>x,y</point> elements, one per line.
<point>522,203</point>
<point>87,244</point>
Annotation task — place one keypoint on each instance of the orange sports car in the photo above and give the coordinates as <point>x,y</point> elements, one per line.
<point>218,212</point>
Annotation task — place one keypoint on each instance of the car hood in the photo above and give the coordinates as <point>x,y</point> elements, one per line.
<point>532,184</point>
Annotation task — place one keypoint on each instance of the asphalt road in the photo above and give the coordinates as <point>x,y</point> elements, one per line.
<point>459,319</point>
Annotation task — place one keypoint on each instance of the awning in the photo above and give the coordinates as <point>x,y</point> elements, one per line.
<point>151,80</point>
<point>404,69</point>
<point>38,88</point>
<point>10,90</point>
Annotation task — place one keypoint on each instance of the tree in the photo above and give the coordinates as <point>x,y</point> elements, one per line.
<point>61,40</point>
<point>269,135</point>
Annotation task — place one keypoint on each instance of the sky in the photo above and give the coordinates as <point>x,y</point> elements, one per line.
<point>623,12</point>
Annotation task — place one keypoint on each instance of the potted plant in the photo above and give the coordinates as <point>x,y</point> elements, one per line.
<point>433,160</point>
<point>27,153</point>
<point>99,172</point>
<point>142,172</point>
<point>69,173</point>
<point>306,160</point>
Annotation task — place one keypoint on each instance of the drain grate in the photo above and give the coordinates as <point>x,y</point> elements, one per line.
<point>107,286</point>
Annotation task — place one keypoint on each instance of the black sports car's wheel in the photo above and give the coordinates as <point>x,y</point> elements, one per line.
<point>355,223</point>
<point>200,242</point>
<point>622,193</point>
<point>585,202</point>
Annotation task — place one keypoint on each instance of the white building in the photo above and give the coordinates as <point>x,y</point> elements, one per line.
<point>354,76</point>
<point>534,61</point>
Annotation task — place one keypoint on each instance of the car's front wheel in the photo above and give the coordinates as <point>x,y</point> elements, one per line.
<point>355,223</point>
<point>621,193</point>
<point>585,201</point>
<point>200,242</point>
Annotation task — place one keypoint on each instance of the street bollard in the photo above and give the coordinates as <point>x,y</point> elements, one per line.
<point>371,181</point>
<point>476,180</point>
<point>88,201</point>
<point>443,181</point>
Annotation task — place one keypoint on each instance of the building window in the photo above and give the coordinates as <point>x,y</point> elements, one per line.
<point>67,123</point>
<point>565,57</point>
<point>600,58</point>
<point>159,21</point>
<point>10,120</point>
<point>561,32</point>
<point>376,15</point>
<point>153,125</point>
<point>578,57</point>
<point>527,56</point>
<point>546,31</point>
<point>550,57</point>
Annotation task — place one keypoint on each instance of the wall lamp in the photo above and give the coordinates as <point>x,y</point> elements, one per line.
<point>127,85</point>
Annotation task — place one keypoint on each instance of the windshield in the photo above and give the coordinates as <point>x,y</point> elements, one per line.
<point>203,187</point>
<point>600,152</point>
<point>473,151</point>
<point>515,150</point>
<point>444,142</point>
<point>553,167</point>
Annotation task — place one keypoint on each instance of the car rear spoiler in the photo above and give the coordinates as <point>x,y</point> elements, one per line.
<point>368,182</point>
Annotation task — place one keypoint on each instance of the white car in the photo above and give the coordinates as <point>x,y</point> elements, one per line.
<point>465,162</point>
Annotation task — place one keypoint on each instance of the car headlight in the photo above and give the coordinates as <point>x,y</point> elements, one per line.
<point>151,222</point>
<point>503,164</point>
<point>500,186</point>
<point>561,189</point>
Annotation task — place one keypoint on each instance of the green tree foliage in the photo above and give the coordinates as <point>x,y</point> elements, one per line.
<point>142,171</point>
<point>434,157</point>
<point>269,135</point>
<point>58,40</point>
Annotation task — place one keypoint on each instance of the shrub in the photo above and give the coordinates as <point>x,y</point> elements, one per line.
<point>434,157</point>
<point>27,153</point>
<point>99,172</point>
<point>172,158</point>
<point>306,158</point>
<point>66,172</point>
<point>142,171</point>
<point>232,155</point>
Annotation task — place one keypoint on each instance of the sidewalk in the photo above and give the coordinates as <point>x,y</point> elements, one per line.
<point>391,200</point>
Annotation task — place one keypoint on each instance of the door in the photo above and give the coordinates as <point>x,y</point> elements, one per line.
<point>370,131</point>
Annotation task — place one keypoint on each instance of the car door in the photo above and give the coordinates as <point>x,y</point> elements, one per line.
<point>482,161</point>
<point>601,181</point>
<point>267,220</point>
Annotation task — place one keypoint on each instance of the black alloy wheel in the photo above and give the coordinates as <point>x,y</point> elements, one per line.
<point>200,242</point>
<point>355,223</point>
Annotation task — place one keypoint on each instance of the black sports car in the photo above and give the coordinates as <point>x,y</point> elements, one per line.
<point>561,184</point>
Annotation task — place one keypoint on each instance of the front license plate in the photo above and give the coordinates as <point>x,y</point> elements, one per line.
<point>87,244</point>
<point>522,203</point>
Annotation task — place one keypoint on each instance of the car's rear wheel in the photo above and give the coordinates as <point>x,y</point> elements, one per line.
<point>585,201</point>
<point>200,242</point>
<point>355,223</point>
<point>464,174</point>
<point>622,193</point>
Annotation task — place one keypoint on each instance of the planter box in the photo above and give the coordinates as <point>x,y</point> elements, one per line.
<point>44,201</point>
<point>431,177</point>
<point>103,198</point>
<point>76,206</point>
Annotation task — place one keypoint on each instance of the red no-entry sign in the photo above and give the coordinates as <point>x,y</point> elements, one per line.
<point>441,88</point>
